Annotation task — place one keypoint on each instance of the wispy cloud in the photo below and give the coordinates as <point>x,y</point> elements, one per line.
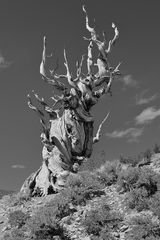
<point>3,62</point>
<point>129,81</point>
<point>147,115</point>
<point>141,99</point>
<point>18,166</point>
<point>132,134</point>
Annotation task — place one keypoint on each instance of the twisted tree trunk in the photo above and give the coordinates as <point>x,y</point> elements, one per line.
<point>68,136</point>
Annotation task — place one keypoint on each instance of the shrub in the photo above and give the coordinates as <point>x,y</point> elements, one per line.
<point>137,198</point>
<point>147,155</point>
<point>16,199</point>
<point>131,160</point>
<point>59,205</point>
<point>141,184</point>
<point>156,148</point>
<point>132,178</point>
<point>82,187</point>
<point>100,222</point>
<point>144,227</point>
<point>15,234</point>
<point>44,225</point>
<point>149,180</point>
<point>154,204</point>
<point>104,178</point>
<point>108,173</point>
<point>128,178</point>
<point>17,218</point>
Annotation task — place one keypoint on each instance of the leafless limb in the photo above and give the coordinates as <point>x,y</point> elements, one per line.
<point>116,71</point>
<point>90,59</point>
<point>45,106</point>
<point>31,106</point>
<point>59,100</point>
<point>39,113</point>
<point>98,134</point>
<point>68,74</point>
<point>48,75</point>
<point>105,89</point>
<point>116,36</point>
<point>79,68</point>
<point>102,61</point>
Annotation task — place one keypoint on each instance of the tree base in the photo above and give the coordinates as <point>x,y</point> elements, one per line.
<point>43,182</point>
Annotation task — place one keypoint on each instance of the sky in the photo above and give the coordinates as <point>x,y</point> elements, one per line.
<point>134,122</point>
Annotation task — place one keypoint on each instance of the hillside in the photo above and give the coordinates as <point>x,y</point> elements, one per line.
<point>118,201</point>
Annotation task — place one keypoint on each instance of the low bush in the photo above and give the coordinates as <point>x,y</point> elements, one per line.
<point>16,199</point>
<point>128,178</point>
<point>45,225</point>
<point>108,173</point>
<point>138,199</point>
<point>100,222</point>
<point>144,227</point>
<point>156,148</point>
<point>132,178</point>
<point>15,234</point>
<point>149,180</point>
<point>154,204</point>
<point>81,188</point>
<point>59,206</point>
<point>141,184</point>
<point>147,155</point>
<point>17,218</point>
<point>131,160</point>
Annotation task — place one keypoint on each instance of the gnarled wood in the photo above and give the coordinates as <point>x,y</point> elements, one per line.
<point>68,136</point>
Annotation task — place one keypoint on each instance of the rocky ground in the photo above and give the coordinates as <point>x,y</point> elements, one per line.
<point>114,198</point>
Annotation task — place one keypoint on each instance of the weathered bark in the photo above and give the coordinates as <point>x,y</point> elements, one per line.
<point>68,136</point>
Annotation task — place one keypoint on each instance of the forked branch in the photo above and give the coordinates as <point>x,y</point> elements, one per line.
<point>102,61</point>
<point>48,75</point>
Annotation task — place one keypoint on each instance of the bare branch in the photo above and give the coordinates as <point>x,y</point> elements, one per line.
<point>102,61</point>
<point>49,75</point>
<point>43,103</point>
<point>44,71</point>
<point>79,68</point>
<point>31,106</point>
<point>104,90</point>
<point>39,113</point>
<point>90,29</point>
<point>99,81</point>
<point>116,70</point>
<point>103,75</point>
<point>101,45</point>
<point>60,100</point>
<point>90,59</point>
<point>56,84</point>
<point>94,36</point>
<point>98,134</point>
<point>52,72</point>
<point>68,75</point>
<point>104,37</point>
<point>116,36</point>
<point>40,100</point>
<point>103,67</point>
<point>109,83</point>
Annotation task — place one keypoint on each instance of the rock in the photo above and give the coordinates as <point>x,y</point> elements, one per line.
<point>124,228</point>
<point>116,234</point>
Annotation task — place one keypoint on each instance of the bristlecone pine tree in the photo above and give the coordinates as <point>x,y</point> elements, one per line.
<point>68,135</point>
